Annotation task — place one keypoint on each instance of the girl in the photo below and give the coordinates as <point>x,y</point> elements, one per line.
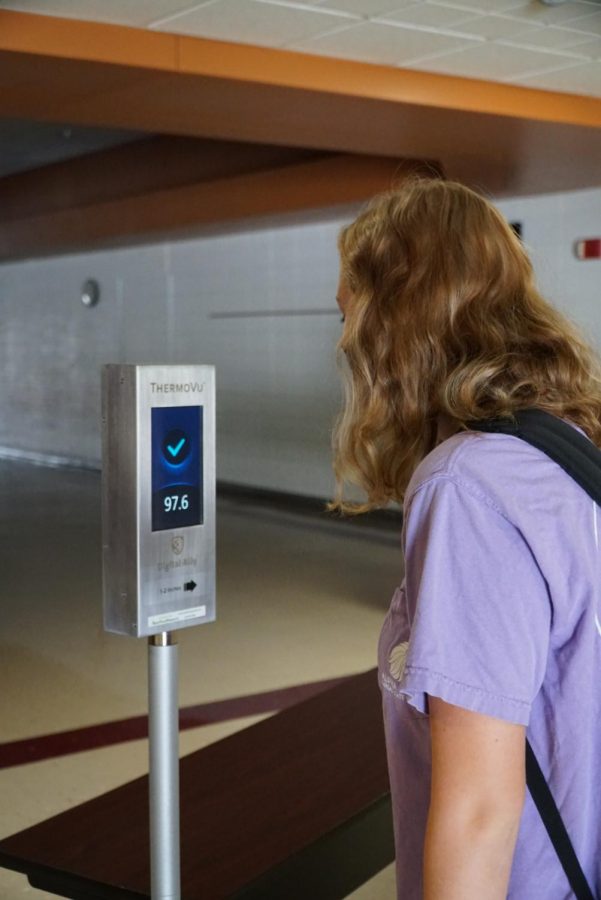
<point>495,631</point>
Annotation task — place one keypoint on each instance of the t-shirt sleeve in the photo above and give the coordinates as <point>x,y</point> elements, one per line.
<point>478,605</point>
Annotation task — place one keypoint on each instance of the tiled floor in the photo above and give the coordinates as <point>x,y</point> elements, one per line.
<point>298,601</point>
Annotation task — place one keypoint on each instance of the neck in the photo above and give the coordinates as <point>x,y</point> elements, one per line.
<point>446,428</point>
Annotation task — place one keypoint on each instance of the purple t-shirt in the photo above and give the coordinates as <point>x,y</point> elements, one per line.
<point>499,612</point>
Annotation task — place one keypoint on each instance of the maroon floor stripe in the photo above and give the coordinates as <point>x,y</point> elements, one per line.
<point>35,749</point>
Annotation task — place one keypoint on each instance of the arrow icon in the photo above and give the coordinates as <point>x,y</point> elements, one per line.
<point>190,585</point>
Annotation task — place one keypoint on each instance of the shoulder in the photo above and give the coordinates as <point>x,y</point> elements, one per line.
<point>502,469</point>
<point>492,466</point>
<point>470,457</point>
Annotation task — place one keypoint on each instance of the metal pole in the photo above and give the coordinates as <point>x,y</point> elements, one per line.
<point>163,740</point>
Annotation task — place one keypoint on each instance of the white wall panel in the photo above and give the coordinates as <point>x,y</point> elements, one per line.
<point>552,223</point>
<point>259,305</point>
<point>50,346</point>
<point>246,302</point>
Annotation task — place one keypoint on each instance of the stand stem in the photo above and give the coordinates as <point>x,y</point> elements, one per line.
<point>163,739</point>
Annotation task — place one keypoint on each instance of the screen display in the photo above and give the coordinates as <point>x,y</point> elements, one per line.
<point>176,467</point>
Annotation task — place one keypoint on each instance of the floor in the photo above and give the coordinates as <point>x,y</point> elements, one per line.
<point>298,601</point>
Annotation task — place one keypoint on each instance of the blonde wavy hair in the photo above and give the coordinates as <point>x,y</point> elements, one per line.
<point>444,318</point>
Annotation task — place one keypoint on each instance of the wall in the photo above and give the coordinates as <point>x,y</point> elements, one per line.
<point>552,222</point>
<point>242,302</point>
<point>259,305</point>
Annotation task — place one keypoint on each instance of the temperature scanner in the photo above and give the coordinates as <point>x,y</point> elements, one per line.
<point>158,497</point>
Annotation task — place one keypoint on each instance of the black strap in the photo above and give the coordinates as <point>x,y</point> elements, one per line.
<point>544,802</point>
<point>571,450</point>
<point>582,460</point>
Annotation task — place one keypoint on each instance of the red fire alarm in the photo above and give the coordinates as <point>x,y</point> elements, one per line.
<point>589,248</point>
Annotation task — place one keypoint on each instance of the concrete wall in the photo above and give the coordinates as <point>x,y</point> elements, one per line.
<point>258,304</point>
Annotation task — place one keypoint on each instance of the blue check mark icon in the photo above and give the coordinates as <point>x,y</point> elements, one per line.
<point>175,450</point>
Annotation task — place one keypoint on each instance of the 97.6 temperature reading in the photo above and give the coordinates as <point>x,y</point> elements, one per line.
<point>172,504</point>
<point>177,478</point>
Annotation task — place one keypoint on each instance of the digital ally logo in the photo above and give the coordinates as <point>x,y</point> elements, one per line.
<point>177,544</point>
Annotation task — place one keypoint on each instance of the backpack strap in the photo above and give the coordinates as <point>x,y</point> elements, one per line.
<point>571,450</point>
<point>544,802</point>
<point>582,460</point>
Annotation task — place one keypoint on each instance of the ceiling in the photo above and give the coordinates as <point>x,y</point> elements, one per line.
<point>555,46</point>
<point>28,145</point>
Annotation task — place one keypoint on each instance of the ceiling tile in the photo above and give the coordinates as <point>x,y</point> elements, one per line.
<point>485,6</point>
<point>384,44</point>
<point>591,48</point>
<point>552,38</point>
<point>492,27</point>
<point>368,8</point>
<point>118,12</point>
<point>587,24</point>
<point>254,22</point>
<point>494,61</point>
<point>432,15</point>
<point>580,79</point>
<point>562,13</point>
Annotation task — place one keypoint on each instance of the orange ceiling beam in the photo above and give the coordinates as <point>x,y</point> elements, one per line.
<point>502,139</point>
<point>135,48</point>
<point>72,39</point>
<point>366,80</point>
<point>187,209</point>
<point>143,166</point>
